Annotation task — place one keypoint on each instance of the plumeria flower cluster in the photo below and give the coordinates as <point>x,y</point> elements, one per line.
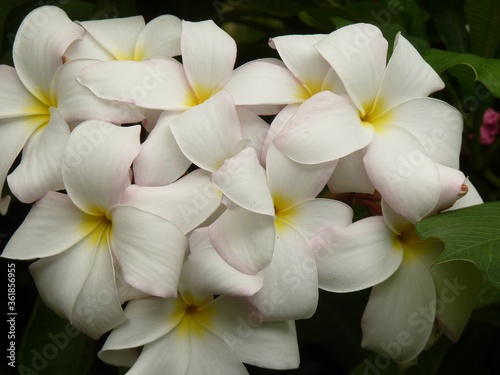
<point>167,211</point>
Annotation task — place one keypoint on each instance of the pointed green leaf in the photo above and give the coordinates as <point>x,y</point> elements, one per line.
<point>486,70</point>
<point>471,233</point>
<point>483,17</point>
<point>52,346</point>
<point>449,21</point>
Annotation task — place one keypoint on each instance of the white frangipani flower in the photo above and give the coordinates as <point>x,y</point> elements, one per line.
<point>405,135</point>
<point>80,236</point>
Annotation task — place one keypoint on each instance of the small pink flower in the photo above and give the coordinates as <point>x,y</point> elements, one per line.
<point>490,126</point>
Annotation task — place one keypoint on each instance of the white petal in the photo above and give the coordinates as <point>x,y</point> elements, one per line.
<point>253,128</point>
<point>154,84</point>
<point>457,285</point>
<point>116,35</point>
<point>148,319</point>
<point>470,199</point>
<point>15,133</point>
<point>283,174</point>
<point>53,225</point>
<point>349,176</point>
<point>159,38</point>
<point>270,345</point>
<point>357,53</point>
<point>357,257</point>
<point>40,42</point>
<point>451,186</point>
<point>243,180</point>
<point>40,169</point>
<point>407,76</point>
<point>77,103</point>
<point>305,62</point>
<point>207,134</point>
<point>97,308</point>
<point>435,124</point>
<point>214,274</point>
<point>401,171</point>
<point>186,203</point>
<point>15,99</point>
<point>324,128</point>
<point>160,161</point>
<point>265,82</point>
<point>96,164</point>
<point>208,55</point>
<point>290,288</point>
<point>244,239</point>
<point>150,250</point>
<point>309,217</point>
<point>87,48</point>
<point>400,313</point>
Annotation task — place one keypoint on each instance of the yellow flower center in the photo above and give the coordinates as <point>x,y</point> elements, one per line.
<point>195,316</point>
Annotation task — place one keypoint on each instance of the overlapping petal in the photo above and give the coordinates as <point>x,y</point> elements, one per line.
<point>324,128</point>
<point>159,38</point>
<point>40,169</point>
<point>343,180</point>
<point>150,250</point>
<point>38,48</point>
<point>95,186</point>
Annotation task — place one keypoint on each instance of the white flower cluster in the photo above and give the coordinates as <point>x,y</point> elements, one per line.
<point>157,185</point>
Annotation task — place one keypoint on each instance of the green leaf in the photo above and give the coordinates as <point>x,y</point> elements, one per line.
<point>471,233</point>
<point>449,21</point>
<point>52,346</point>
<point>483,17</point>
<point>413,16</point>
<point>486,70</point>
<point>280,8</point>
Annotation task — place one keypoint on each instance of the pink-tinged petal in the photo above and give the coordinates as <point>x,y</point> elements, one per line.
<point>169,354</point>
<point>160,161</point>
<point>40,168</point>
<point>290,290</point>
<point>77,103</point>
<point>187,203</point>
<point>154,84</point>
<point>270,345</point>
<point>96,164</point>
<point>357,53</point>
<point>276,127</point>
<point>15,132</point>
<point>213,273</point>
<point>211,355</point>
<point>435,124</point>
<point>457,286</point>
<point>40,42</point>
<point>326,127</point>
<point>399,317</point>
<point>15,99</point>
<point>159,38</point>
<point>87,48</point>
<point>403,173</point>
<point>97,308</point>
<point>149,249</point>
<point>265,82</point>
<point>451,186</point>
<point>243,180</point>
<point>310,217</point>
<point>283,174</point>
<point>253,128</point>
<point>208,55</point>
<point>407,76</point>
<point>116,35</point>
<point>207,134</point>
<point>148,319</point>
<point>53,225</point>
<point>350,175</point>
<point>303,60</point>
<point>356,257</point>
<point>244,239</point>
<point>470,199</point>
